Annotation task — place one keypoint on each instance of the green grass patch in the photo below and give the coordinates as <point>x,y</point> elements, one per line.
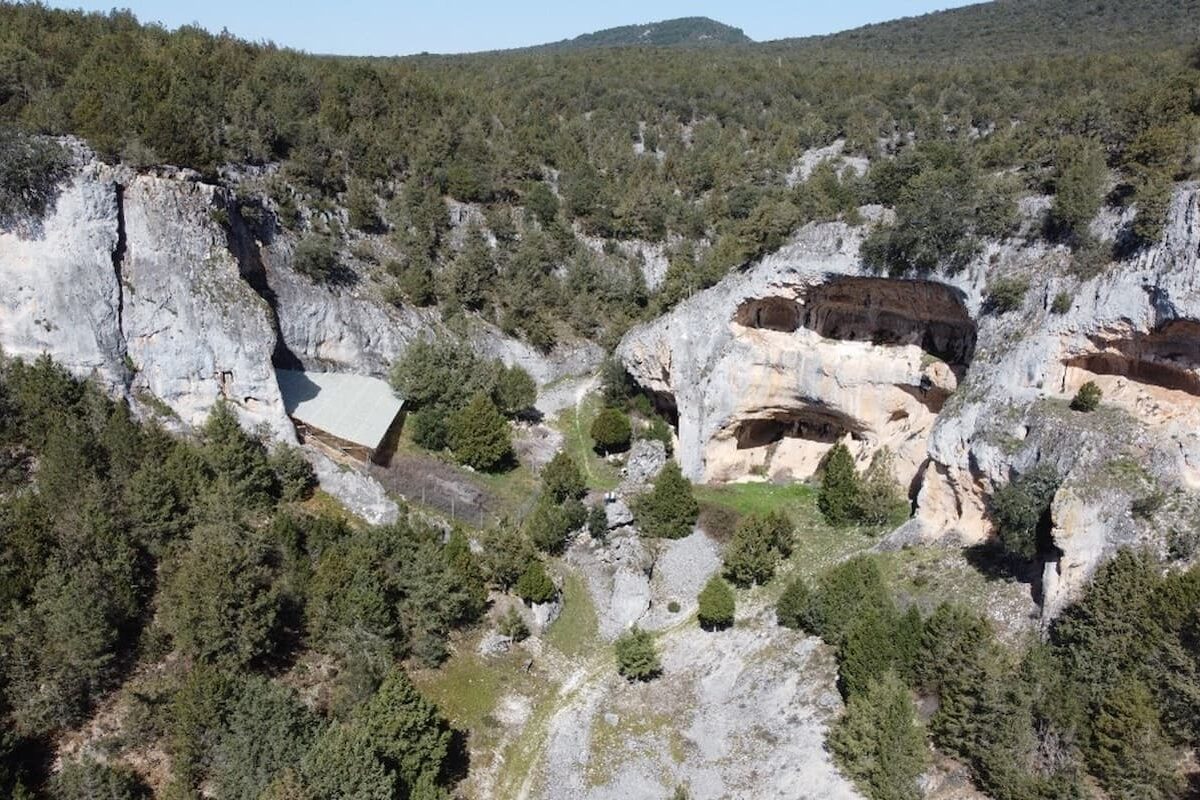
<point>515,489</point>
<point>749,498</point>
<point>468,686</point>
<point>575,425</point>
<point>574,633</point>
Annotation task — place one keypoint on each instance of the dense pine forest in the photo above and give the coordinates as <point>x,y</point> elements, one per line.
<point>688,146</point>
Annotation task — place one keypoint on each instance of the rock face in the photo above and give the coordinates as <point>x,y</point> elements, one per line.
<point>770,367</point>
<point>59,292</point>
<point>193,329</point>
<point>154,285</point>
<point>130,279</point>
<point>614,739</point>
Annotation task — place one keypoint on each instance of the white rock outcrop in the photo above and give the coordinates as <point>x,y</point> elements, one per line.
<point>128,278</point>
<point>767,369</point>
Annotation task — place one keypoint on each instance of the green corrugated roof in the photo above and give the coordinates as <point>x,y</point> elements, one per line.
<point>356,408</point>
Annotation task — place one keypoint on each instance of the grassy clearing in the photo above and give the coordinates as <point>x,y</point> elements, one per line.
<point>575,425</point>
<point>515,489</point>
<point>574,632</point>
<point>468,686</point>
<point>748,498</point>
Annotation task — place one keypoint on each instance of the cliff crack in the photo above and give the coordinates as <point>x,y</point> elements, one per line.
<point>118,262</point>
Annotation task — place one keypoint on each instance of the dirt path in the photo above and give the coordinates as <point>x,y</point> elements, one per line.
<point>581,394</point>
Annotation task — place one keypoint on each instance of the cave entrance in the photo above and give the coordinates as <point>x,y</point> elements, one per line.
<point>769,313</point>
<point>890,311</point>
<point>1167,358</point>
<point>812,425</point>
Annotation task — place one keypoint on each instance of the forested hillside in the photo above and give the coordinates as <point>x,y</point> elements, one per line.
<point>899,472</point>
<point>124,546</point>
<point>692,148</point>
<point>668,33</point>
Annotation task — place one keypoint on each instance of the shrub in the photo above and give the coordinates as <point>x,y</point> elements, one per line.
<point>658,431</point>
<point>670,509</point>
<point>637,657</point>
<point>480,436</point>
<point>791,611</point>
<point>512,625</point>
<point>1087,398</point>
<point>1006,294</point>
<point>879,743</point>
<point>879,499</point>
<point>838,494</point>
<point>1062,303</point>
<point>294,476</point>
<point>844,593</point>
<point>89,779</point>
<point>515,391</point>
<point>611,430</point>
<point>562,478</point>
<point>597,522</point>
<point>673,606</point>
<point>759,542</point>
<point>30,170</point>
<point>716,604</point>
<point>315,258</point>
<point>535,585</point>
<point>1020,507</point>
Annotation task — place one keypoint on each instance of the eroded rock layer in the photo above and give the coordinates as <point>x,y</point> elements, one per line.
<point>770,367</point>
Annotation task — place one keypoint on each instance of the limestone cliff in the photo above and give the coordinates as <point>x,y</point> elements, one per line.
<point>767,369</point>
<point>129,278</point>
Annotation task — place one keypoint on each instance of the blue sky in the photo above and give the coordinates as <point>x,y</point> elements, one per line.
<point>380,27</point>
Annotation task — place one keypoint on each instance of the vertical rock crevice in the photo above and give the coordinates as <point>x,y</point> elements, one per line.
<point>243,243</point>
<point>118,262</point>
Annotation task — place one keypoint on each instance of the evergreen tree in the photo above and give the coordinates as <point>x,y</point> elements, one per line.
<point>597,522</point>
<point>1020,506</point>
<point>847,591</point>
<point>1080,180</point>
<point>670,509</point>
<point>507,552</point>
<point>237,457</point>
<point>515,391</point>
<point>89,779</point>
<point>838,496</point>
<point>611,430</point>
<point>1131,756</point>
<point>637,657</point>
<point>1087,398</point>
<point>792,609</point>
<point>879,500</point>
<point>716,604</point>
<point>535,585</point>
<point>550,524</point>
<point>480,436</point>
<point>562,479</point>
<point>759,542</point>
<point>221,599</point>
<point>879,743</point>
<point>473,270</point>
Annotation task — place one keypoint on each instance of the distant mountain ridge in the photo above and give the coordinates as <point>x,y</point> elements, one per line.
<point>684,31</point>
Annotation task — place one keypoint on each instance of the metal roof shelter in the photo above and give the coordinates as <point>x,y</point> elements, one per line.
<point>350,413</point>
